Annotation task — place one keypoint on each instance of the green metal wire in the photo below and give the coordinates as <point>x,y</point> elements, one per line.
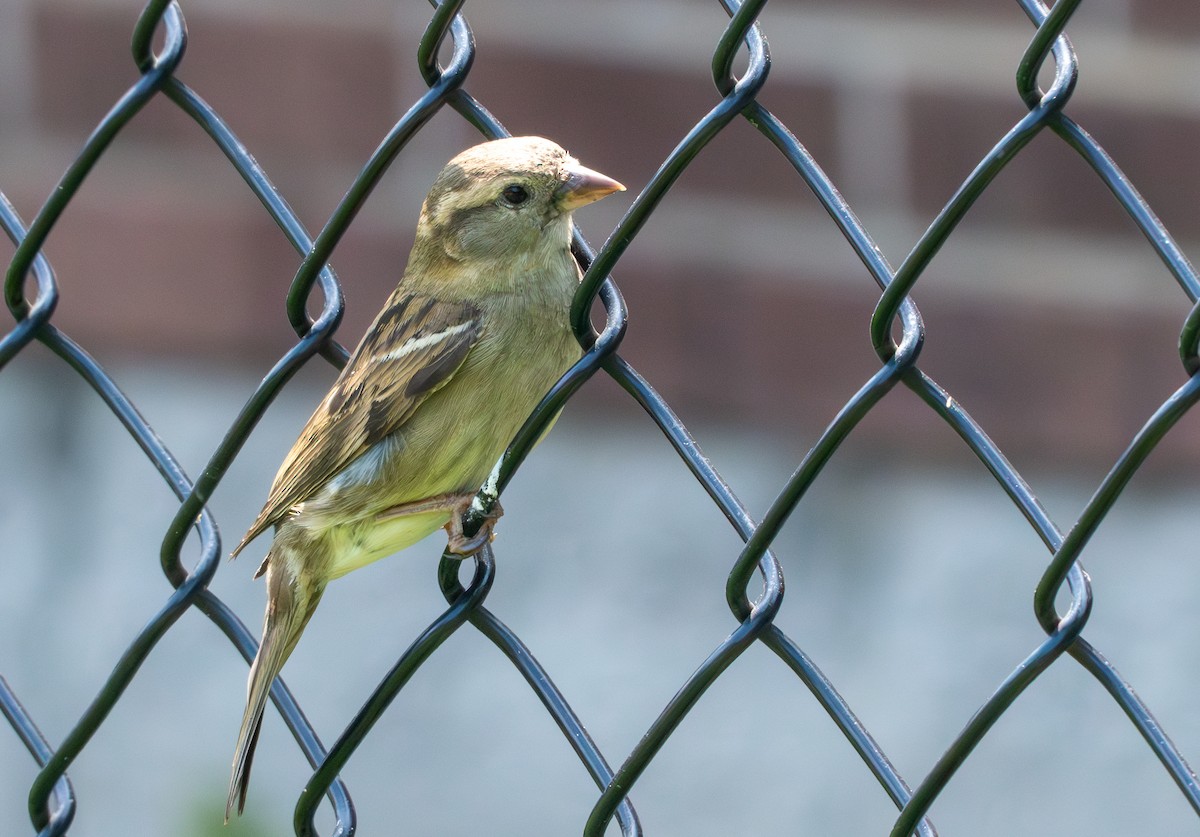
<point>755,589</point>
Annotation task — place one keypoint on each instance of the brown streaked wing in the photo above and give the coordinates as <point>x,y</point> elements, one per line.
<point>413,348</point>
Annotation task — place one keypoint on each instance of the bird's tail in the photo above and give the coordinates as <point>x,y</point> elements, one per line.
<point>290,603</point>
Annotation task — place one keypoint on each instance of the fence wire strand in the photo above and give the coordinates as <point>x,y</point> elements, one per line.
<point>755,586</point>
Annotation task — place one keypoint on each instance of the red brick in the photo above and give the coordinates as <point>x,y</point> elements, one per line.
<point>627,119</point>
<point>964,7</point>
<point>1173,18</point>
<point>1048,183</point>
<point>1044,381</point>
<point>285,88</point>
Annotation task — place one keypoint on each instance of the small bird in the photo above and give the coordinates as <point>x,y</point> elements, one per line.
<point>473,336</point>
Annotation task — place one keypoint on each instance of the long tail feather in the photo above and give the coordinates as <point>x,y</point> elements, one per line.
<point>290,604</point>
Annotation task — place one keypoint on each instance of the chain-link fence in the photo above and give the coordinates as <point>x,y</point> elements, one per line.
<point>755,588</point>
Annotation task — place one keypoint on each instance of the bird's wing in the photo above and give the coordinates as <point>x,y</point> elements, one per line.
<point>414,347</point>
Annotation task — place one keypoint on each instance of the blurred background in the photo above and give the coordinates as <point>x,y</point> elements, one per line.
<point>910,575</point>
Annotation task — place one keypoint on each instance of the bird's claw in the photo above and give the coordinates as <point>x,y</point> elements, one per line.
<point>459,543</point>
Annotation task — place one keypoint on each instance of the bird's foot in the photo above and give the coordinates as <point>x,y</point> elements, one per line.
<point>459,543</point>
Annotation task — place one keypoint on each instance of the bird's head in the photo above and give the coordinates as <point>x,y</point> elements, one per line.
<point>508,199</point>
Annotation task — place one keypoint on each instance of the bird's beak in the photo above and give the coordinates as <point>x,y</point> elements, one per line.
<point>584,186</point>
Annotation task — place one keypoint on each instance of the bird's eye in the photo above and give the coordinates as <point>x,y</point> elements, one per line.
<point>514,194</point>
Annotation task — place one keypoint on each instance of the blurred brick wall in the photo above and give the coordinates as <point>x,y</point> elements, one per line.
<point>1047,315</point>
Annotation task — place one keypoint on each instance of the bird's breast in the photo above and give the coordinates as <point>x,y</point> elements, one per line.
<point>450,443</point>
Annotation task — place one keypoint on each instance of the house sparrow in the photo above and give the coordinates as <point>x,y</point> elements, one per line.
<point>476,332</point>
